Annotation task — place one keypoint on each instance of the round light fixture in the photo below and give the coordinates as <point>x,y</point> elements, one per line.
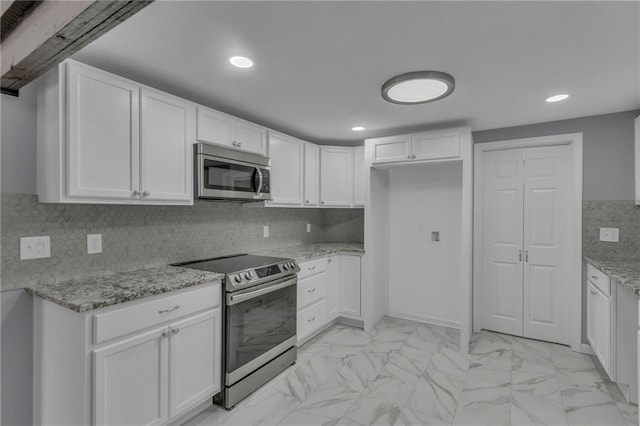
<point>418,87</point>
<point>357,128</point>
<point>241,62</point>
<point>557,98</point>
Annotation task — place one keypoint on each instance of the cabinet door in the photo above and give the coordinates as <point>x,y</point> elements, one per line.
<point>215,127</point>
<point>250,137</point>
<point>604,330</point>
<point>194,356</point>
<point>350,285</point>
<point>130,381</point>
<point>103,135</point>
<point>286,169</point>
<point>333,286</point>
<point>436,145</point>
<point>336,176</point>
<point>311,174</point>
<point>312,289</point>
<point>358,176</point>
<point>166,147</point>
<point>388,150</point>
<point>592,316</point>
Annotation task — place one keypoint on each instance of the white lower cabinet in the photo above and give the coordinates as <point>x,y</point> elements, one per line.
<point>599,325</point>
<point>328,288</point>
<point>144,362</point>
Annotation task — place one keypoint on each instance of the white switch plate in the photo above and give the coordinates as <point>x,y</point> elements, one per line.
<point>94,243</point>
<point>610,234</point>
<point>308,227</point>
<point>265,231</point>
<point>35,248</point>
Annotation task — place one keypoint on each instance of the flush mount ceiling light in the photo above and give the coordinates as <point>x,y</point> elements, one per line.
<point>418,87</point>
<point>557,98</point>
<point>241,62</point>
<point>357,128</point>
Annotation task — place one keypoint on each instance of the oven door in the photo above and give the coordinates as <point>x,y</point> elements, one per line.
<point>260,325</point>
<point>223,178</point>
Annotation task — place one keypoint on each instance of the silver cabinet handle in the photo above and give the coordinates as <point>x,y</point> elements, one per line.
<point>239,144</point>
<point>311,268</point>
<point>146,193</point>
<point>135,193</point>
<point>306,201</point>
<point>312,290</point>
<point>312,319</point>
<point>520,255</point>
<point>164,311</point>
<point>175,330</point>
<point>593,293</point>
<point>234,143</point>
<point>165,334</point>
<point>526,255</point>
<point>321,202</point>
<point>408,157</point>
<point>594,277</point>
<point>413,156</point>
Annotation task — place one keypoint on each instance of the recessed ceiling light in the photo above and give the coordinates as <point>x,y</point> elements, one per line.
<point>418,87</point>
<point>557,98</point>
<point>241,62</point>
<point>357,128</point>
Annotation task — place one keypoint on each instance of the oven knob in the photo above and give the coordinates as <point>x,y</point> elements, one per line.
<point>293,265</point>
<point>247,275</point>
<point>285,266</point>
<point>237,278</point>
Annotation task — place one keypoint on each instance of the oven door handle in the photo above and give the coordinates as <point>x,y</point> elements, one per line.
<point>238,298</point>
<point>259,186</point>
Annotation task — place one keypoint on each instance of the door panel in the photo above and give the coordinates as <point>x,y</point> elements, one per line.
<point>502,241</point>
<point>287,156</point>
<point>547,249</point>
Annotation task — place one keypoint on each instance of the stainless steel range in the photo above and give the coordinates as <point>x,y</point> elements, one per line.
<point>259,320</point>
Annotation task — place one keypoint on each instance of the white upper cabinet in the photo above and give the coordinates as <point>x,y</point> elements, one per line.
<point>358,176</point>
<point>287,159</point>
<point>168,134</point>
<point>637,156</point>
<point>311,175</point>
<point>436,145</point>
<point>336,176</point>
<point>222,129</point>
<point>103,137</point>
<point>106,139</point>
<point>392,149</point>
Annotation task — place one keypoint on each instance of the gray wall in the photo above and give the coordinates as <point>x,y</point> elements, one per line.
<point>607,150</point>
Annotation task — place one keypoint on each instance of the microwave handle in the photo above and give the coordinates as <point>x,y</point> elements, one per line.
<point>259,188</point>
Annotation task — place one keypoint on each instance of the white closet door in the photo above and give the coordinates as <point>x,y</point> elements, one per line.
<point>546,242</point>
<point>502,222</point>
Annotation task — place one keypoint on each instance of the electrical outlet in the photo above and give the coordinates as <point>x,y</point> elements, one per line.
<point>611,235</point>
<point>265,231</point>
<point>94,243</point>
<point>308,227</point>
<point>35,248</point>
<point>435,236</point>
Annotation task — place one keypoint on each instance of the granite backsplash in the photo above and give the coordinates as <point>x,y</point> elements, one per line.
<point>145,236</point>
<point>624,215</point>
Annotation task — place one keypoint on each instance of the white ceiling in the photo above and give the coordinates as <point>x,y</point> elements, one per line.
<point>319,66</point>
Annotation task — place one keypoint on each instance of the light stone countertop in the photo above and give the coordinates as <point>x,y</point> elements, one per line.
<point>85,294</point>
<point>625,271</point>
<point>302,253</point>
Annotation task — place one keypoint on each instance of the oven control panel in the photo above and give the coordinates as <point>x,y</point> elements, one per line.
<point>262,274</point>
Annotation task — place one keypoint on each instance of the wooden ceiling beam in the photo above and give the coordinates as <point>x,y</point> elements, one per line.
<point>54,30</point>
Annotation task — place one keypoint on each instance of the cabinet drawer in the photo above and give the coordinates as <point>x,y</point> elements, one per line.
<point>312,267</point>
<point>312,289</point>
<point>311,319</point>
<point>599,279</point>
<point>125,320</point>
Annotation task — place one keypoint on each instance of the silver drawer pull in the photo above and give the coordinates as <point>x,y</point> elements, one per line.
<point>593,293</point>
<point>165,334</point>
<point>164,311</point>
<point>594,277</point>
<point>311,268</point>
<point>175,330</point>
<point>311,290</point>
<point>312,319</point>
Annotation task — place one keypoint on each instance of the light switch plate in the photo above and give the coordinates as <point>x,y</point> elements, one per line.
<point>35,247</point>
<point>265,231</point>
<point>308,227</point>
<point>611,235</point>
<point>94,243</point>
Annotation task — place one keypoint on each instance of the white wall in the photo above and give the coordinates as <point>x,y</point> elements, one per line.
<point>424,276</point>
<point>18,119</point>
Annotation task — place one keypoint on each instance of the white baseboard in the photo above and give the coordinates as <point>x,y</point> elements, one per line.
<point>426,319</point>
<point>585,348</point>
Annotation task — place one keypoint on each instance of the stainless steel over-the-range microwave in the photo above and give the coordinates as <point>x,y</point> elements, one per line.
<point>228,174</point>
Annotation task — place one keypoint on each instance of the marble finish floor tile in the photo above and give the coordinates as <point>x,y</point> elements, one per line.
<point>403,373</point>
